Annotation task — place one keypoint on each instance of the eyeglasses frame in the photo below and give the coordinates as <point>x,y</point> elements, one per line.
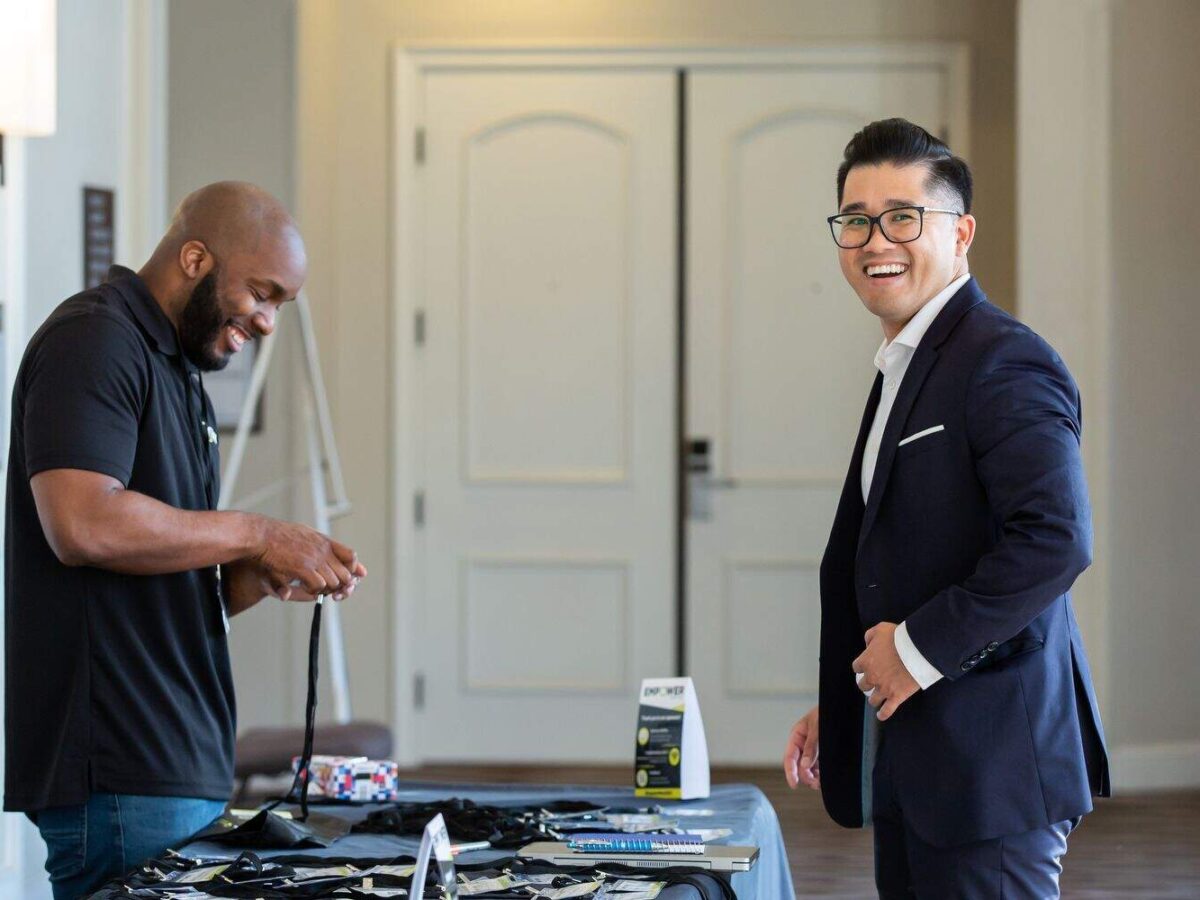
<point>873,221</point>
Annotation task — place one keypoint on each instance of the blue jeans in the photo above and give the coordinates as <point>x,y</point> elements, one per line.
<point>112,833</point>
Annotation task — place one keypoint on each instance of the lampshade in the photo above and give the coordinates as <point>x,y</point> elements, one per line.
<point>28,50</point>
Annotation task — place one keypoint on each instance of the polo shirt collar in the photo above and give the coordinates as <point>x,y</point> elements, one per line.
<point>145,309</point>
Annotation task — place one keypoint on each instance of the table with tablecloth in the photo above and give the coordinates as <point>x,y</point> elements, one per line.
<point>743,809</point>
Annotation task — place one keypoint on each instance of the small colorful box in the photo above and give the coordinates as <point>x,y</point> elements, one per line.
<point>352,778</point>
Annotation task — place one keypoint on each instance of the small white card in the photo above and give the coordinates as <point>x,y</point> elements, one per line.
<point>524,878</point>
<point>435,842</point>
<point>625,885</point>
<point>583,889</point>
<point>395,871</point>
<point>671,753</point>
<point>485,885</point>
<point>200,875</point>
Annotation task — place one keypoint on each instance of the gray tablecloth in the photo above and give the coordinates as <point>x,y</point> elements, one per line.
<point>742,808</point>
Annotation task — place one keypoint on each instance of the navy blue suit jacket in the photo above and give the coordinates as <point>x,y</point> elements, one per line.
<point>973,535</point>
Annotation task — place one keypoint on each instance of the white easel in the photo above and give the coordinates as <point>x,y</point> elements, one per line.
<point>323,461</point>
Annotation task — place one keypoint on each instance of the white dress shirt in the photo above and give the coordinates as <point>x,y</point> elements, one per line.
<point>892,360</point>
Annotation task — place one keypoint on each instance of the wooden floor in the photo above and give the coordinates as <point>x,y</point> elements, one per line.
<point>1130,847</point>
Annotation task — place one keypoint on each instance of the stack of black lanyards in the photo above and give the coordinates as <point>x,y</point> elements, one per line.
<point>303,776</point>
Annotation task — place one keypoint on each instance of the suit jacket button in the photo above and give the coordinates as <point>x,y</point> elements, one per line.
<point>966,666</point>
<point>992,646</point>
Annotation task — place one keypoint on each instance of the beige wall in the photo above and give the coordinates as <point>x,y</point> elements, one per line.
<point>85,150</point>
<point>1106,189</point>
<point>1156,400</point>
<point>345,157</point>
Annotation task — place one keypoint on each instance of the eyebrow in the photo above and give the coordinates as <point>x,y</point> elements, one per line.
<point>890,203</point>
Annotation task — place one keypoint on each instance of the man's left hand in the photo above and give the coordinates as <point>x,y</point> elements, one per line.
<point>883,670</point>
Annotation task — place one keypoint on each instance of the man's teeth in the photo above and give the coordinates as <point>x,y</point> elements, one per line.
<point>889,269</point>
<point>236,336</point>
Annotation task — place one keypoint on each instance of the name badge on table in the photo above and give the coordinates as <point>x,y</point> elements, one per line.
<point>671,759</point>
<point>435,842</point>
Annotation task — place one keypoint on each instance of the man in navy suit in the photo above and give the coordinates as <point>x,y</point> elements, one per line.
<point>956,708</point>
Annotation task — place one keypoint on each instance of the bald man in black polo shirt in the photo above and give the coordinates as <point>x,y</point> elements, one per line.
<point>120,575</point>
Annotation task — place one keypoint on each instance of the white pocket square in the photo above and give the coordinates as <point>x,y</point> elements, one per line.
<point>920,434</point>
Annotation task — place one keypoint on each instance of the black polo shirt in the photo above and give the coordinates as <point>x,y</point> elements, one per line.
<point>114,683</point>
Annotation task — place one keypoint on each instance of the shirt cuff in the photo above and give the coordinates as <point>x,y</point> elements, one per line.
<point>918,666</point>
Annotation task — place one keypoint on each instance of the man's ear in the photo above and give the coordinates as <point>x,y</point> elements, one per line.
<point>964,234</point>
<point>195,260</point>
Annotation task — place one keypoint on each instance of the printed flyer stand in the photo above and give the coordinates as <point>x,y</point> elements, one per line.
<point>671,750</point>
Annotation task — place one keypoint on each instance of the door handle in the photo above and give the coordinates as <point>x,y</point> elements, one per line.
<point>700,481</point>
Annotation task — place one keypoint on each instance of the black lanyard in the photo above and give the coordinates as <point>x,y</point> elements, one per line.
<point>303,776</point>
<point>204,436</point>
<point>201,427</point>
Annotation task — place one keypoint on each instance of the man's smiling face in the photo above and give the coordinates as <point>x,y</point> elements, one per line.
<point>237,303</point>
<point>895,280</point>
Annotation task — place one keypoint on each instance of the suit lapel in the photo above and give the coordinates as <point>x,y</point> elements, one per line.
<point>851,502</point>
<point>922,361</point>
<point>864,429</point>
<point>924,358</point>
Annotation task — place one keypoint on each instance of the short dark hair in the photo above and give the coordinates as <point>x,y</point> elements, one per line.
<point>901,142</point>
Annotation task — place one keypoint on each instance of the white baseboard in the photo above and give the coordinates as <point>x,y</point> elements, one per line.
<point>1149,767</point>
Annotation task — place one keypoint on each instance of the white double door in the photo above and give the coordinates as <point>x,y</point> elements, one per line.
<point>549,242</point>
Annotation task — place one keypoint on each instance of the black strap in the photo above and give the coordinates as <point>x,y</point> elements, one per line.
<point>300,782</point>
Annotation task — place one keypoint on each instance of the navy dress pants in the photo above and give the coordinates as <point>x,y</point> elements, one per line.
<point>1024,866</point>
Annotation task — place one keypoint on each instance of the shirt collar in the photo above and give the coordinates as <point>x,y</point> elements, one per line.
<point>145,309</point>
<point>910,335</point>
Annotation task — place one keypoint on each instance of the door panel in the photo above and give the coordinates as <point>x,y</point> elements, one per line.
<point>548,390</point>
<point>548,245</point>
<point>780,357</point>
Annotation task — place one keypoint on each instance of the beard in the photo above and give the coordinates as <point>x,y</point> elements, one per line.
<point>200,326</point>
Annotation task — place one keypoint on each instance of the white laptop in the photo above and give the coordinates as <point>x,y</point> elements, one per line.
<point>714,858</point>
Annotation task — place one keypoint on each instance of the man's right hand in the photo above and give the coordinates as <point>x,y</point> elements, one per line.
<point>294,555</point>
<point>800,764</point>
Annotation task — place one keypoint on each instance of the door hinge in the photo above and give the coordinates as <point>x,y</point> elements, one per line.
<point>419,146</point>
<point>418,691</point>
<point>419,509</point>
<point>419,327</point>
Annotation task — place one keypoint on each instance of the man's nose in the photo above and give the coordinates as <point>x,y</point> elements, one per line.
<point>878,239</point>
<point>264,321</point>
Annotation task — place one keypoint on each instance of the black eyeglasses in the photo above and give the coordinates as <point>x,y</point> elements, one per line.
<point>899,225</point>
